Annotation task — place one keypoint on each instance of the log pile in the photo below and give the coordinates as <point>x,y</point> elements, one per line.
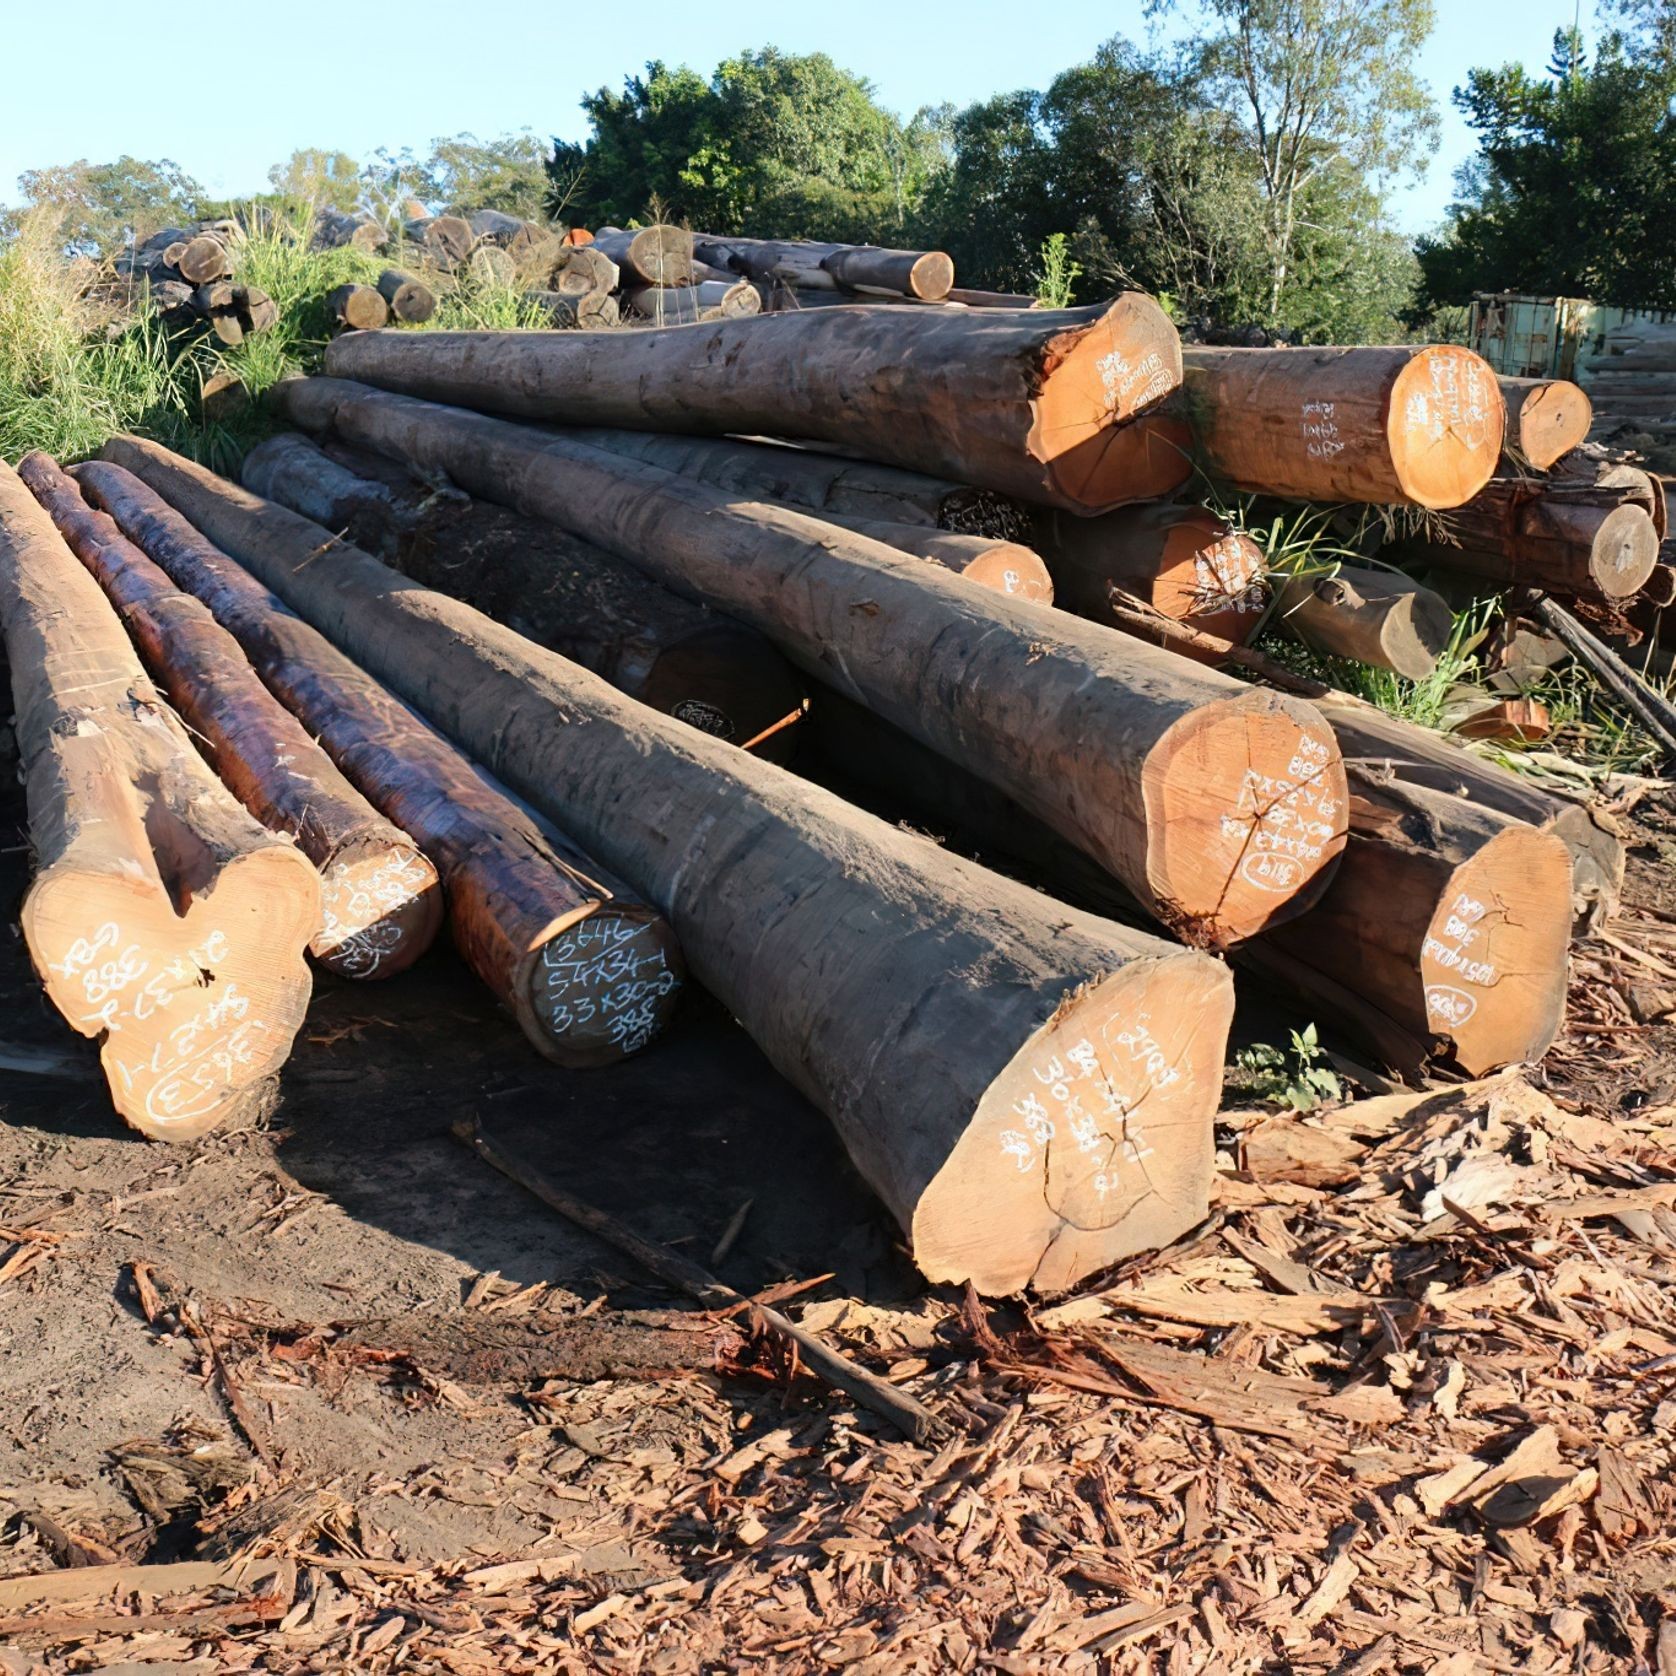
<point>189,278</point>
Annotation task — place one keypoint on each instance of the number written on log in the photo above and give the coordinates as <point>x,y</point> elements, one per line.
<point>1284,823</point>
<point>1458,947</point>
<point>606,974</point>
<point>1119,378</point>
<point>1456,403</point>
<point>1321,437</point>
<point>1225,578</point>
<point>705,717</point>
<point>358,911</point>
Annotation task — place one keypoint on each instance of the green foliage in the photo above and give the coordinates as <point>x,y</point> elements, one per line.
<point>318,179</point>
<point>772,144</point>
<point>1573,191</point>
<point>1291,1079</point>
<point>1058,273</point>
<point>98,207</point>
<point>461,173</point>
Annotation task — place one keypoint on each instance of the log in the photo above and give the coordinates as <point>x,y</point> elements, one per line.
<point>410,299</point>
<point>981,1051</point>
<point>1008,567</point>
<point>925,275</point>
<point>1546,419</point>
<point>1509,721</point>
<point>380,903</point>
<point>673,305</point>
<point>992,299</point>
<point>446,240</point>
<point>833,485</point>
<point>588,970</point>
<point>526,242</point>
<point>1378,617</point>
<point>582,267</point>
<point>162,918</point>
<point>584,310</point>
<point>1219,806</point>
<point>359,307</point>
<point>1028,404</point>
<point>490,265</point>
<point>1417,426</point>
<point>203,259</point>
<point>705,670</point>
<point>1581,543</point>
<point>656,255</point>
<point>1183,561</point>
<point>335,230</point>
<point>1449,919</point>
<point>234,312</point>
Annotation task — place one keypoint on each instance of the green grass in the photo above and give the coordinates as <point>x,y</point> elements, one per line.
<point>78,365</point>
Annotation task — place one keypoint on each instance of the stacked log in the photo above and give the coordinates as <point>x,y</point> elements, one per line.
<point>1546,419</point>
<point>880,975</point>
<point>380,901</point>
<point>163,919</point>
<point>679,305</point>
<point>1377,617</point>
<point>1218,805</point>
<point>409,299</point>
<point>587,969</point>
<point>188,275</point>
<point>565,594</point>
<point>445,242</point>
<point>1025,403</point>
<point>338,229</point>
<point>359,307</point>
<point>803,264</point>
<point>1631,380</point>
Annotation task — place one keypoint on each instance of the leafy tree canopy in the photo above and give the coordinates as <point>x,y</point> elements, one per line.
<point>100,206</point>
<point>313,178</point>
<point>462,173</point>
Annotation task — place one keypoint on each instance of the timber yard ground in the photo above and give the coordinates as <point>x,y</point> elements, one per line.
<point>433,1510</point>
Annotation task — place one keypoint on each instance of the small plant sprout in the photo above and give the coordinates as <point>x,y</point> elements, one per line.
<point>1291,1079</point>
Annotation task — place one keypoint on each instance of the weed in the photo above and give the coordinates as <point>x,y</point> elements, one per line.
<point>1291,1079</point>
<point>1058,273</point>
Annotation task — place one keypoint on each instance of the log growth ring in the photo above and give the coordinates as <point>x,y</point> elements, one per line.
<point>1444,422</point>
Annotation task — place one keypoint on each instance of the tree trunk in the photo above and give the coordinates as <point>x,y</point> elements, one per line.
<point>1031,404</point>
<point>706,670</point>
<point>1451,920</point>
<point>923,274</point>
<point>162,917</point>
<point>380,903</point>
<point>1181,560</point>
<point>528,243</point>
<point>589,971</point>
<point>1421,426</point>
<point>831,484</point>
<point>359,307</point>
<point>1377,617</point>
<point>1028,1088</point>
<point>1221,807</point>
<point>1564,536</point>
<point>582,267</point>
<point>681,305</point>
<point>652,255</point>
<point>585,310</point>
<point>1546,419</point>
<point>410,299</point>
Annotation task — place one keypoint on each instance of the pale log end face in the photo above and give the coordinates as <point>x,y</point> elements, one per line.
<point>1624,553</point>
<point>1445,426</point>
<point>1013,569</point>
<point>603,987</point>
<point>1211,578</point>
<point>1095,1142</point>
<point>1553,419</point>
<point>1246,810</point>
<point>1098,378</point>
<point>380,909</point>
<point>1493,965</point>
<point>932,276</point>
<point>193,1008</point>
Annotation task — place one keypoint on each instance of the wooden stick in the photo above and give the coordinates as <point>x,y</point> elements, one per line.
<point>910,1417</point>
<point>381,903</point>
<point>1648,707</point>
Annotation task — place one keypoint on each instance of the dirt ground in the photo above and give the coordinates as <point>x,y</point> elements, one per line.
<point>1345,1428</point>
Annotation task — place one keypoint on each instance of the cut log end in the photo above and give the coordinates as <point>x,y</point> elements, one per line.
<point>1096,1140</point>
<point>380,909</point>
<point>1445,425</point>
<point>1211,578</point>
<point>1246,803</point>
<point>601,988</point>
<point>1098,377</point>
<point>1009,567</point>
<point>1493,964</point>
<point>718,682</point>
<point>931,278</point>
<point>1145,460</point>
<point>1546,418</point>
<point>1624,552</point>
<point>196,994</point>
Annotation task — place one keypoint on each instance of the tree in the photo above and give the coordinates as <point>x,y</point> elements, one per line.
<point>101,206</point>
<point>1573,192</point>
<point>318,179</point>
<point>1321,85</point>
<point>462,173</point>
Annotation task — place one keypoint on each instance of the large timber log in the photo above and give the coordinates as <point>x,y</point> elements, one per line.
<point>582,267</point>
<point>1028,1088</point>
<point>410,300</point>
<point>334,229</point>
<point>675,305</point>
<point>1447,918</point>
<point>380,903</point>
<point>1585,535</point>
<point>1219,806</point>
<point>162,919</point>
<point>1031,404</point>
<point>1420,426</point>
<point>586,310</point>
<point>446,241</point>
<point>1378,617</point>
<point>1181,560</point>
<point>1009,567</point>
<point>1546,419</point>
<point>589,971</point>
<point>595,609</point>
<point>925,275</point>
<point>362,308</point>
<point>656,255</point>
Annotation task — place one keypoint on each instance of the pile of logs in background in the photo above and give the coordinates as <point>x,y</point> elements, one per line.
<point>518,631</point>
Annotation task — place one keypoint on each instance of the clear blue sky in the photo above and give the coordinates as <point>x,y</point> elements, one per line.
<point>103,77</point>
